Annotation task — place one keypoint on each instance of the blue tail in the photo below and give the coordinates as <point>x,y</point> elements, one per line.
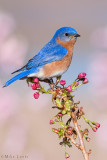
<point>19,76</point>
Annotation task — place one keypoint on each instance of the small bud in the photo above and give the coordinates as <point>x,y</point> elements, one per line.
<point>88,139</point>
<point>85,81</point>
<point>36,80</point>
<point>87,130</point>
<point>76,83</point>
<point>59,115</point>
<point>33,86</point>
<point>55,130</point>
<point>62,82</point>
<point>94,129</point>
<point>37,85</point>
<point>57,90</point>
<point>69,88</point>
<point>36,95</point>
<point>56,120</point>
<point>69,131</point>
<point>51,122</point>
<point>97,125</point>
<point>81,108</point>
<point>67,155</point>
<point>81,75</point>
<point>78,102</point>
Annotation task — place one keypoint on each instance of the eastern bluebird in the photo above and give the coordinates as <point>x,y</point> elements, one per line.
<point>52,60</point>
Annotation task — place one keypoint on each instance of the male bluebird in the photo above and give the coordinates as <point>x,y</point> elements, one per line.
<point>52,60</point>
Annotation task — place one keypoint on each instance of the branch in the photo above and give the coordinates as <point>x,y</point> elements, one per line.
<point>74,142</point>
<point>63,101</point>
<point>82,146</point>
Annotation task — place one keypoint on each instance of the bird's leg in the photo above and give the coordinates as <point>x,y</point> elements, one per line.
<point>57,81</point>
<point>51,83</point>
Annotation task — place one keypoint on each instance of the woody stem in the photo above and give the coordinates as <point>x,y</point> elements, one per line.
<point>82,146</point>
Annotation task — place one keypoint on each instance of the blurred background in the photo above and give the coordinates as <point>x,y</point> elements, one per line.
<point>25,27</point>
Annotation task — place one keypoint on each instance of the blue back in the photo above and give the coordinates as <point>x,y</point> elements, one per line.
<point>52,51</point>
<point>49,53</point>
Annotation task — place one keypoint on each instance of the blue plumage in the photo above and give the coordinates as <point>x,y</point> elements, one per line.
<point>19,76</point>
<point>51,52</point>
<point>47,54</point>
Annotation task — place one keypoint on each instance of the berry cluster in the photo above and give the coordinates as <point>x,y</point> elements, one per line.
<point>68,131</point>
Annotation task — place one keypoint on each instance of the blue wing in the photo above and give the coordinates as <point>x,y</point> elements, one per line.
<point>49,53</point>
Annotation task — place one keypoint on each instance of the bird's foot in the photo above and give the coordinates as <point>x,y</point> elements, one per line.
<point>51,83</point>
<point>57,81</point>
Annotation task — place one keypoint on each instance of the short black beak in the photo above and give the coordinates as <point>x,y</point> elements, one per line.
<point>76,35</point>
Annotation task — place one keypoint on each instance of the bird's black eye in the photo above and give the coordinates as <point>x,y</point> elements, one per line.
<point>66,34</point>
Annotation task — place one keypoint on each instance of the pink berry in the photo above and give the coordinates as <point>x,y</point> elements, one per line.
<point>76,83</point>
<point>36,80</point>
<point>81,108</point>
<point>97,125</point>
<point>59,115</point>
<point>36,95</point>
<point>55,130</point>
<point>86,130</point>
<point>51,122</point>
<point>88,139</point>
<point>69,88</point>
<point>81,75</point>
<point>94,129</point>
<point>33,86</point>
<point>67,155</point>
<point>56,120</point>
<point>37,85</point>
<point>62,82</point>
<point>85,81</point>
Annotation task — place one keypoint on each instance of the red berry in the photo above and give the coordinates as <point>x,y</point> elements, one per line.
<point>97,125</point>
<point>36,95</point>
<point>81,75</point>
<point>51,122</point>
<point>67,155</point>
<point>36,80</point>
<point>62,82</point>
<point>94,129</point>
<point>86,130</point>
<point>37,85</point>
<point>88,139</point>
<point>81,108</point>
<point>33,86</point>
<point>59,115</point>
<point>85,81</point>
<point>69,88</point>
<point>55,130</point>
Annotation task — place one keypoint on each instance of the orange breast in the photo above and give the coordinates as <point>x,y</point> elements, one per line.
<point>62,65</point>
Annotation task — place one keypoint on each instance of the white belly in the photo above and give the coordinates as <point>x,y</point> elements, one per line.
<point>41,75</point>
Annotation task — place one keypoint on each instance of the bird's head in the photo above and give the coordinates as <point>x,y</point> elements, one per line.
<point>66,34</point>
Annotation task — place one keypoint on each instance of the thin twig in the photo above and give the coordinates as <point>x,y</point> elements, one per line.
<point>74,142</point>
<point>82,146</point>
